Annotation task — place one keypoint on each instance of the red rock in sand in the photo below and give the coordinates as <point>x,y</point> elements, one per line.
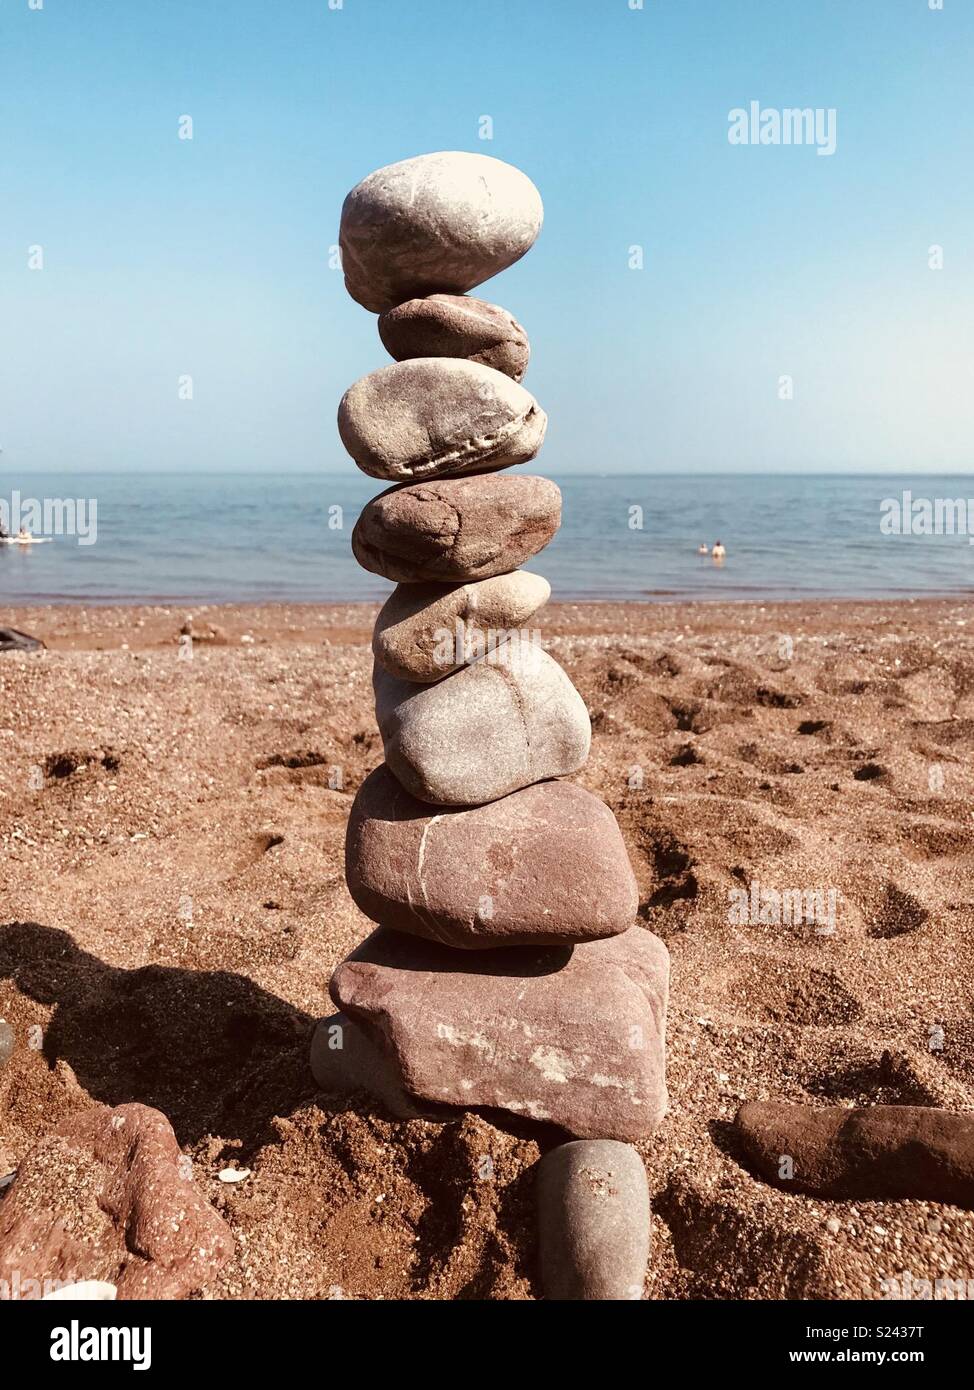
<point>105,1196</point>
<point>883,1151</point>
<point>574,1036</point>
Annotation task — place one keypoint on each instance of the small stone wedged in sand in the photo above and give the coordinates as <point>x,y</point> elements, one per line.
<point>594,1223</point>
<point>344,1060</point>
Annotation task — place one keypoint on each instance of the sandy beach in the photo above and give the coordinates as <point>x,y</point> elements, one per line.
<point>173,904</point>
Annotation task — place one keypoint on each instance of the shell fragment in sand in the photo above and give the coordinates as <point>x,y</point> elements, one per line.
<point>87,1291</point>
<point>233,1174</point>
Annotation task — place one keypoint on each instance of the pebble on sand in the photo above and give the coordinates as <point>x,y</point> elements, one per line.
<point>883,1152</point>
<point>7,1042</point>
<point>457,529</point>
<point>435,417</point>
<point>490,728</point>
<point>445,221</point>
<point>425,631</point>
<point>454,325</point>
<point>594,1222</point>
<point>546,865</point>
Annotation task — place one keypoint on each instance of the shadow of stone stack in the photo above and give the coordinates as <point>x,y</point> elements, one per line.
<point>506,970</point>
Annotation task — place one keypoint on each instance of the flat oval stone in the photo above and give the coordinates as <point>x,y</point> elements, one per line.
<point>425,631</point>
<point>544,866</point>
<point>594,1222</point>
<point>457,529</point>
<point>490,728</point>
<point>453,325</point>
<point>443,221</point>
<point>435,417</point>
<point>570,1035</point>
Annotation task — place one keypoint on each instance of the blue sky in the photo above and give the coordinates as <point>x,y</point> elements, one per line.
<point>165,257</point>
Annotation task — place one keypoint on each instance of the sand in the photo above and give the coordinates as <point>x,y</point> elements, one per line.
<point>172,905</point>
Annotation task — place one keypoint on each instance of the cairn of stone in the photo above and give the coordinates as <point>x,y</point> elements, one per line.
<point>506,969</point>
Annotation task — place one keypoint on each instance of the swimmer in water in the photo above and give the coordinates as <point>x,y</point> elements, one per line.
<point>23,534</point>
<point>702,550</point>
<point>718,552</point>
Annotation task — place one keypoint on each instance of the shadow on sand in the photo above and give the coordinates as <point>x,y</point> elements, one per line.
<point>210,1049</point>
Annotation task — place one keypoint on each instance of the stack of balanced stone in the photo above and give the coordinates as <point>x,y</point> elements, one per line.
<point>506,970</point>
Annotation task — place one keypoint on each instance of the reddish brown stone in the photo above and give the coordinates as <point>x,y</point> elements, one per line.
<point>454,325</point>
<point>575,1036</point>
<point>104,1196</point>
<point>543,866</point>
<point>455,529</point>
<point>880,1152</point>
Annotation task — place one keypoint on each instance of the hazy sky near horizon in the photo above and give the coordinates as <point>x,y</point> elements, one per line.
<point>165,257</point>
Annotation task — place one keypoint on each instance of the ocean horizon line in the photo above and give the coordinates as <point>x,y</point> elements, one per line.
<point>595,473</point>
<point>660,597</point>
<point>230,537</point>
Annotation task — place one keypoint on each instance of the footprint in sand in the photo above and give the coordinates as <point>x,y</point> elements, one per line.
<point>776,991</point>
<point>893,912</point>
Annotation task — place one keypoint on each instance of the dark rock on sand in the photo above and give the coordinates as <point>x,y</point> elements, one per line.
<point>574,1036</point>
<point>880,1152</point>
<point>11,640</point>
<point>107,1195</point>
<point>544,866</point>
<point>457,529</point>
<point>593,1221</point>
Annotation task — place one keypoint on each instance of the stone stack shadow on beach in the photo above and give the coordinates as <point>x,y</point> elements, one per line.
<point>505,970</point>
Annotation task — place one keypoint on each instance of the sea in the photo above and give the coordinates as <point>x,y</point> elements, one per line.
<point>221,537</point>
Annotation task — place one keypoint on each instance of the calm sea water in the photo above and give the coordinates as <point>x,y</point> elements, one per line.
<point>222,537</point>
